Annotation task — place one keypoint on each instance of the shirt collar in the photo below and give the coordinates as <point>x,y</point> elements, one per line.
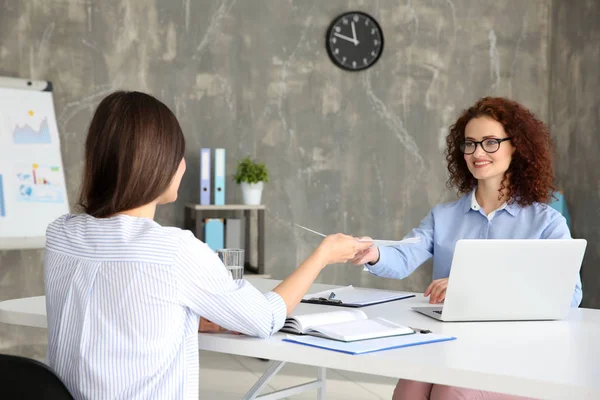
<point>512,207</point>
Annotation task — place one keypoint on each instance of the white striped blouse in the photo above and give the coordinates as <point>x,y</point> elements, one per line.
<point>124,296</point>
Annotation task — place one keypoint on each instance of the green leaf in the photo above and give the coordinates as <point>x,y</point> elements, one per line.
<point>250,171</point>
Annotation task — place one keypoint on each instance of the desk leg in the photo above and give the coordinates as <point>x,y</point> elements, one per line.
<point>264,379</point>
<point>323,379</point>
<point>275,366</point>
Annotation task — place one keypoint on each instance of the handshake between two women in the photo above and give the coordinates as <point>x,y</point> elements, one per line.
<point>360,251</point>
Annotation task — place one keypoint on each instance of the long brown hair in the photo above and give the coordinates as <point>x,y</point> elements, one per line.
<point>132,151</point>
<point>531,172</point>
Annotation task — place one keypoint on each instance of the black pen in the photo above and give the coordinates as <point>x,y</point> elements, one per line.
<point>418,330</point>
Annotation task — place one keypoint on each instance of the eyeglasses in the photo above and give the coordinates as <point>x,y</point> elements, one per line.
<point>488,145</point>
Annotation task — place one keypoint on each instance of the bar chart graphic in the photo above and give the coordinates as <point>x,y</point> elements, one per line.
<point>40,183</point>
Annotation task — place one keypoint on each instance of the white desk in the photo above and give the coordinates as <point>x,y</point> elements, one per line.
<point>549,359</point>
<point>29,311</point>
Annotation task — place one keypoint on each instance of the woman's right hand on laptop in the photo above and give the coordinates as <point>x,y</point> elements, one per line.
<point>437,291</point>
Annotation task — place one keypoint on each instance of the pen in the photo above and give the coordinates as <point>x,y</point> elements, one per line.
<point>419,330</point>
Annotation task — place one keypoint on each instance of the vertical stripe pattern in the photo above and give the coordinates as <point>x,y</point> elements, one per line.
<point>124,296</point>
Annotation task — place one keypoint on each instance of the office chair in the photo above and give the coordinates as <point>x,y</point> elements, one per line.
<point>23,378</point>
<point>559,203</point>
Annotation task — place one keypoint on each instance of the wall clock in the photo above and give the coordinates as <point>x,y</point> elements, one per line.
<point>354,41</point>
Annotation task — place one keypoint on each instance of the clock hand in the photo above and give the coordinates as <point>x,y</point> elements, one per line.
<point>354,34</point>
<point>346,38</point>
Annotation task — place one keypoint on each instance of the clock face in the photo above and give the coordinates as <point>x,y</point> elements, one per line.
<point>354,41</point>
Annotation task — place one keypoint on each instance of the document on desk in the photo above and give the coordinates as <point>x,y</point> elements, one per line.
<point>369,346</point>
<point>349,296</point>
<point>376,242</point>
<point>345,325</point>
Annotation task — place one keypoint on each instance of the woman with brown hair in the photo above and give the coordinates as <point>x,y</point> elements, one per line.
<point>124,295</point>
<point>500,160</point>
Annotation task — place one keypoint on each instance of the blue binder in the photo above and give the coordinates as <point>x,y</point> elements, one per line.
<point>214,233</point>
<point>220,176</point>
<point>205,176</point>
<point>369,345</point>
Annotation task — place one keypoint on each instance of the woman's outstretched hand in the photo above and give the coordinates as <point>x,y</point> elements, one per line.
<point>369,255</point>
<point>340,248</point>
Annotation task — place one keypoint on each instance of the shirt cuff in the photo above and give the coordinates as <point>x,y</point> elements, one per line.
<point>379,266</point>
<point>279,310</point>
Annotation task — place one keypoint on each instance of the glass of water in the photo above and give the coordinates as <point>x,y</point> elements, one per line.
<point>233,259</point>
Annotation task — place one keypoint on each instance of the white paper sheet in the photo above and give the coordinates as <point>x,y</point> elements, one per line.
<point>376,242</point>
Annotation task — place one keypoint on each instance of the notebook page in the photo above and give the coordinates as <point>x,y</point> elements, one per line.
<point>376,242</point>
<point>360,330</point>
<point>310,320</point>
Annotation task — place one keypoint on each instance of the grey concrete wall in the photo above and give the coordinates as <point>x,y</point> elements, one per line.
<point>354,152</point>
<point>575,122</point>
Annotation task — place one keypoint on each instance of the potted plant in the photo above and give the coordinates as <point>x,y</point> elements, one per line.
<point>251,176</point>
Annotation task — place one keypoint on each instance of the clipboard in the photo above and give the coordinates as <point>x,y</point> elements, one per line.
<point>352,297</point>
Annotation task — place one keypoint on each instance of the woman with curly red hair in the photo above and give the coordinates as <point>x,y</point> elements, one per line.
<point>500,160</point>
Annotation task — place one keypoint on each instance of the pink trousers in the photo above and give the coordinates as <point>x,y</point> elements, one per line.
<point>413,390</point>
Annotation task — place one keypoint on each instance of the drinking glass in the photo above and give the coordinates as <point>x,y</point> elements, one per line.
<point>233,259</point>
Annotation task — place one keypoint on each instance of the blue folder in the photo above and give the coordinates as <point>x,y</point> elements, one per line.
<point>214,233</point>
<point>219,176</point>
<point>370,345</point>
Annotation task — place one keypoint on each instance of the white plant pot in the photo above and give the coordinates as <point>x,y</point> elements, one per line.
<point>252,193</point>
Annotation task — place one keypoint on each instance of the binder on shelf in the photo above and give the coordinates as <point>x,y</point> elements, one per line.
<point>213,233</point>
<point>234,233</point>
<point>205,176</point>
<point>220,176</point>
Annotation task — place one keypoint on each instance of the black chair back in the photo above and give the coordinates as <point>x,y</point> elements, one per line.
<point>24,378</point>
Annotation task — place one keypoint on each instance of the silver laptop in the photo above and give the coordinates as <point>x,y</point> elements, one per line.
<point>509,280</point>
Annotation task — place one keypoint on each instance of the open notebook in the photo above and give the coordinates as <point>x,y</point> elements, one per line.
<point>344,325</point>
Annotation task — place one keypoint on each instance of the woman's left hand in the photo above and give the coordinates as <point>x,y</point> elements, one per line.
<point>207,326</point>
<point>437,291</point>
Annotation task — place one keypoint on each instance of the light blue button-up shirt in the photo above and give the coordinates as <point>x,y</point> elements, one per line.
<point>465,219</point>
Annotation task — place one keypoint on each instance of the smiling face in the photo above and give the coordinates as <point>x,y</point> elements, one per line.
<point>483,165</point>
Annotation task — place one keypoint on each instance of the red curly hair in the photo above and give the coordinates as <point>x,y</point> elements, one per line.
<point>530,176</point>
